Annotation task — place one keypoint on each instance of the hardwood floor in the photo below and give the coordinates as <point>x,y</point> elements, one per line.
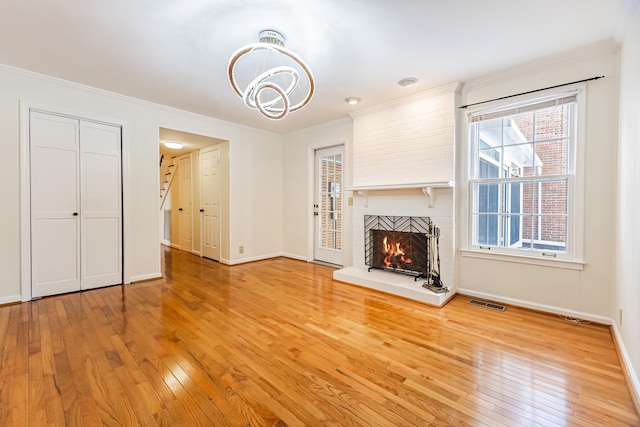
<point>278,342</point>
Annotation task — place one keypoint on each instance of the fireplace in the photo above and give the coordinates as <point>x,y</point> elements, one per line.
<point>401,244</point>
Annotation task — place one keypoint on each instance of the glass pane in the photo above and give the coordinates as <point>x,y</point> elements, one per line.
<point>513,194</point>
<point>490,133</point>
<point>551,123</point>
<point>486,230</point>
<point>550,197</point>
<point>486,167</point>
<point>553,235</point>
<point>487,197</point>
<point>512,231</point>
<point>551,157</point>
<point>519,128</point>
<point>330,202</point>
<point>518,160</point>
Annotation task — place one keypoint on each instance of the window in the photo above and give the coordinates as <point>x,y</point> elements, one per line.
<point>522,172</point>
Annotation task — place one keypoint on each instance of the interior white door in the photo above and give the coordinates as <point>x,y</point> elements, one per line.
<point>101,205</point>
<point>184,204</point>
<point>327,208</point>
<point>210,184</point>
<point>55,201</point>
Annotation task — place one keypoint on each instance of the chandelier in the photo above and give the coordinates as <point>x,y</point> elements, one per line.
<point>283,82</point>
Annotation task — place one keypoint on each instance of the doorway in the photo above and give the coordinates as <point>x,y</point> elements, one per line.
<point>327,205</point>
<point>199,188</point>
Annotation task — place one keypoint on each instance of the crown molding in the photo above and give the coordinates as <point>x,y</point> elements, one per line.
<point>451,88</point>
<point>126,98</point>
<point>598,49</point>
<point>342,120</point>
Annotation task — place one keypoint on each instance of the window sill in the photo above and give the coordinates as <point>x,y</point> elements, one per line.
<point>545,262</point>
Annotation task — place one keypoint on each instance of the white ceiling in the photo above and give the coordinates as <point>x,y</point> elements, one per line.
<point>175,52</point>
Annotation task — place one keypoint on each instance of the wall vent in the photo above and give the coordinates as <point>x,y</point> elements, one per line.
<point>487,305</point>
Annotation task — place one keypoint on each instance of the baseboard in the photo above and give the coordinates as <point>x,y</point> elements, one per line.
<point>617,336</point>
<point>253,259</point>
<point>296,257</point>
<point>142,277</point>
<point>11,299</point>
<point>626,360</point>
<point>539,307</point>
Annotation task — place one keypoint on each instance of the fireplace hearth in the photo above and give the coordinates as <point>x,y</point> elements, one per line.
<point>401,244</point>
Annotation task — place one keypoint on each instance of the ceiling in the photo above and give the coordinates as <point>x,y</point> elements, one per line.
<point>176,52</point>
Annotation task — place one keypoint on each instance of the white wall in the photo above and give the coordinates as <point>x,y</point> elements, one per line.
<point>627,281</point>
<point>406,141</point>
<point>583,292</point>
<point>298,146</point>
<point>254,171</point>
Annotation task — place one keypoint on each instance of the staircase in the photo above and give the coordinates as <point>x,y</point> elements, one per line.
<point>168,175</point>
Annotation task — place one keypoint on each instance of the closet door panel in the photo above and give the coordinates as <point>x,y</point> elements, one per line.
<point>55,223</point>
<point>101,192</point>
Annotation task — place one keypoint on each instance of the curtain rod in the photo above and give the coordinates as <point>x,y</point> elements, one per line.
<point>531,91</point>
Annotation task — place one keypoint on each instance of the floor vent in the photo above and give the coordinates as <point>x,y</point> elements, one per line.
<point>487,304</point>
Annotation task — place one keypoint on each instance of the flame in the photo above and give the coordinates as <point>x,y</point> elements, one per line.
<point>394,254</point>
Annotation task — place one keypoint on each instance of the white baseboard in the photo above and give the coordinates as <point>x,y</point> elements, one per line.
<point>617,336</point>
<point>631,373</point>
<point>142,277</point>
<point>540,307</point>
<point>296,257</point>
<point>11,299</point>
<point>252,259</point>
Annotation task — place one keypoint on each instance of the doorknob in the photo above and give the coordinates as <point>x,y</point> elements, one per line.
<point>75,214</point>
<point>180,209</point>
<point>201,210</point>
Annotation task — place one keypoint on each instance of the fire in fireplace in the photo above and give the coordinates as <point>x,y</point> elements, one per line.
<point>399,243</point>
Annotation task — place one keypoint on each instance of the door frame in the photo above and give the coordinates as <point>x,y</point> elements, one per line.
<point>25,188</point>
<point>311,171</point>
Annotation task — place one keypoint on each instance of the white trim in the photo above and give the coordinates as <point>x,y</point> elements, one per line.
<point>539,307</point>
<point>252,259</point>
<point>138,101</point>
<point>573,258</point>
<point>427,94</point>
<point>631,374</point>
<point>626,359</point>
<point>10,300</point>
<point>569,57</point>
<point>25,204</point>
<point>435,184</point>
<point>145,277</point>
<point>522,259</point>
<point>296,257</point>
<point>327,125</point>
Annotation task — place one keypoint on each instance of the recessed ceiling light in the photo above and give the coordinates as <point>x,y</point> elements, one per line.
<point>408,81</point>
<point>173,145</point>
<point>352,100</point>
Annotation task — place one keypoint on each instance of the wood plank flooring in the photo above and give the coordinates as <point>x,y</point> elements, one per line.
<point>277,342</point>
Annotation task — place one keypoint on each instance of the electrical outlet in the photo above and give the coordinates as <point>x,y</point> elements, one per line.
<point>241,249</point>
<point>620,317</point>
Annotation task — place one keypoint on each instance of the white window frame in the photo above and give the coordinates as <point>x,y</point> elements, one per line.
<point>573,257</point>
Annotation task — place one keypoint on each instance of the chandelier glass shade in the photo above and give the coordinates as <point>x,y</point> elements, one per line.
<point>280,81</point>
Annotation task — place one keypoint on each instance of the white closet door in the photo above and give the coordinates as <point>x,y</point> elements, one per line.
<point>101,201</point>
<point>210,184</point>
<point>55,223</point>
